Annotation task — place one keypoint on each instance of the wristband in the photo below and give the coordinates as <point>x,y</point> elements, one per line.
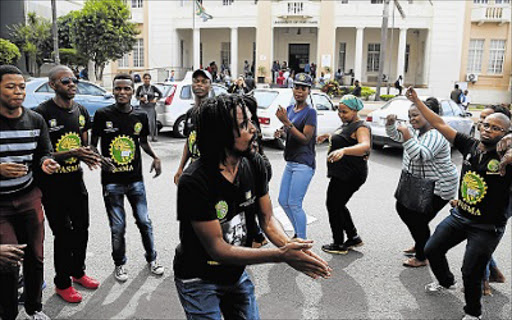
<point>291,125</point>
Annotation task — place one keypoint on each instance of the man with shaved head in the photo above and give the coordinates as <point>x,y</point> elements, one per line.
<point>65,197</point>
<point>480,215</point>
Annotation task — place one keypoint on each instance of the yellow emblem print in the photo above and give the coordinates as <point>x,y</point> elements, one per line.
<point>493,165</point>
<point>68,142</point>
<point>81,121</point>
<point>222,209</point>
<point>122,150</point>
<point>473,188</point>
<point>137,128</point>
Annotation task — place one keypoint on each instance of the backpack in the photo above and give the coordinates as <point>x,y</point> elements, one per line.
<point>397,84</point>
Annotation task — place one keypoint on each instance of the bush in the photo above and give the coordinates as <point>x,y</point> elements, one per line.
<point>386,97</point>
<point>333,89</point>
<point>9,52</point>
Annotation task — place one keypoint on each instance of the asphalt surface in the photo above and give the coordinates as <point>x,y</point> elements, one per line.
<point>369,283</point>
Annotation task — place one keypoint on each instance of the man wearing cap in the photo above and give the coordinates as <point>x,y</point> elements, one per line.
<point>201,87</point>
<point>299,126</point>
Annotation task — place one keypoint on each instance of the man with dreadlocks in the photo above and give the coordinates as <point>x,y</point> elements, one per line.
<point>219,196</point>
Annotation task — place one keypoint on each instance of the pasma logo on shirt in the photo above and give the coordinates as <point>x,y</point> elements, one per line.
<point>473,188</point>
<point>222,209</point>
<point>137,128</point>
<point>122,150</point>
<point>68,142</point>
<point>81,121</point>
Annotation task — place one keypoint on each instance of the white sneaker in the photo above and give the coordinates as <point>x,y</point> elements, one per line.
<point>470,317</point>
<point>120,273</point>
<point>436,287</point>
<point>39,315</point>
<point>155,268</point>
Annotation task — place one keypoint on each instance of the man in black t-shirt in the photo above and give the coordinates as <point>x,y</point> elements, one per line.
<point>25,148</point>
<point>201,87</point>
<point>65,196</point>
<point>480,216</point>
<point>219,197</point>
<point>123,130</point>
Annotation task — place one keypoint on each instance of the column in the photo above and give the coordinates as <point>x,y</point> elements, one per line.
<point>426,57</point>
<point>358,63</point>
<point>234,52</point>
<point>400,64</point>
<point>196,48</point>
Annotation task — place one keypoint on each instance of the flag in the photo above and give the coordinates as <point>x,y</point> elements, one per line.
<point>201,12</point>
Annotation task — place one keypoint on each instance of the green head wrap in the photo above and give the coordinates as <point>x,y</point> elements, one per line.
<point>352,102</point>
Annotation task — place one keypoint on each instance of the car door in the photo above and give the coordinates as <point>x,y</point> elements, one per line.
<point>327,117</point>
<point>92,97</point>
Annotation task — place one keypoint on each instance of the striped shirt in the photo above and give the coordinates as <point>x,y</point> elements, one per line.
<point>428,155</point>
<point>23,140</point>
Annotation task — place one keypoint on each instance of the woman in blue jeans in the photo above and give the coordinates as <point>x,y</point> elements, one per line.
<point>299,128</point>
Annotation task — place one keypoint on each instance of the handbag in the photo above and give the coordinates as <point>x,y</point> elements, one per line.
<point>415,193</point>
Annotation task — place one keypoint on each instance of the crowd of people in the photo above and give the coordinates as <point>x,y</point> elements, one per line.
<point>224,210</point>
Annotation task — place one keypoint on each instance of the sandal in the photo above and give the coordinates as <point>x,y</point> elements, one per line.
<point>410,252</point>
<point>415,263</point>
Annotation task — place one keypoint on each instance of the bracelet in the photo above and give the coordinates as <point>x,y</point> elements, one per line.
<point>290,126</point>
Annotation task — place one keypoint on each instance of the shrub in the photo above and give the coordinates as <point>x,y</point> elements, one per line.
<point>386,97</point>
<point>9,52</point>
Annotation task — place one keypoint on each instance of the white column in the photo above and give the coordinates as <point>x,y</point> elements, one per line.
<point>426,57</point>
<point>400,64</point>
<point>234,52</point>
<point>196,48</point>
<point>358,63</point>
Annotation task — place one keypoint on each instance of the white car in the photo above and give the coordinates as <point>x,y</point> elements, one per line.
<point>270,99</point>
<point>176,101</point>
<point>451,113</point>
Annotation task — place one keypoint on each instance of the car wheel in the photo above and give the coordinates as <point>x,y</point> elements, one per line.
<point>178,130</point>
<point>279,143</point>
<point>472,132</point>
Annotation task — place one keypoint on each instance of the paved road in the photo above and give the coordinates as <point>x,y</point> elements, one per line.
<point>367,284</point>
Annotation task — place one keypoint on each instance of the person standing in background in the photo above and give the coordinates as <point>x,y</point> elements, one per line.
<point>148,95</point>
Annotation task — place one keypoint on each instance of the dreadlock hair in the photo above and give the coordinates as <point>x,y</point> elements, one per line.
<point>217,126</point>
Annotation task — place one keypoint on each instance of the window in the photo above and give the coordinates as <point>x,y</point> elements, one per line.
<point>446,108</point>
<point>89,89</point>
<point>502,1</point>
<point>372,64</point>
<point>182,52</point>
<point>407,54</point>
<point>377,1</point>
<point>124,61</point>
<point>227,2</point>
<point>45,88</point>
<point>225,53</point>
<point>138,53</point>
<point>137,3</point>
<point>344,1</point>
<point>496,56</point>
<point>476,51</point>
<point>480,1</point>
<point>321,102</point>
<point>342,56</point>
<point>186,93</point>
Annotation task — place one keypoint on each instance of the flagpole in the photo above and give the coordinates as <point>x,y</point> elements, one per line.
<point>193,32</point>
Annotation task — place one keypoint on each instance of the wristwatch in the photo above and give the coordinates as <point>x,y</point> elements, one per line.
<point>291,125</point>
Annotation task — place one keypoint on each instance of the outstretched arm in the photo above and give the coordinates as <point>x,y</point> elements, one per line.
<point>434,119</point>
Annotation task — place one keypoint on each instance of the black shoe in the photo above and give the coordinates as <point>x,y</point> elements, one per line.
<point>354,242</point>
<point>335,248</point>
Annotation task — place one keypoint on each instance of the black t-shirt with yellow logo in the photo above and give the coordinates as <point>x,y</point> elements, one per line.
<point>120,133</point>
<point>207,196</point>
<point>65,128</point>
<point>483,193</point>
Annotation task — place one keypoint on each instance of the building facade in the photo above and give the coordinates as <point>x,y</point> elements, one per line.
<point>425,46</point>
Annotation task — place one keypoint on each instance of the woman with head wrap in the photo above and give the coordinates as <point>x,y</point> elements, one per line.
<point>427,154</point>
<point>347,167</point>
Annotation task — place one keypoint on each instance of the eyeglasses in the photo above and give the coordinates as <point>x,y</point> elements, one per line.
<point>493,128</point>
<point>68,80</point>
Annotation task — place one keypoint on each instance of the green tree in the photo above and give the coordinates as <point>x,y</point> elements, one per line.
<point>102,31</point>
<point>9,52</point>
<point>34,38</point>
<point>68,53</point>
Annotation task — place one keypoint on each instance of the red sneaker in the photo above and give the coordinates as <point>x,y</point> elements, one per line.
<point>69,294</point>
<point>87,282</point>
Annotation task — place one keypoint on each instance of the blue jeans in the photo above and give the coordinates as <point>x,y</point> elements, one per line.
<point>491,264</point>
<point>202,299</point>
<point>479,248</point>
<point>294,184</point>
<point>113,195</point>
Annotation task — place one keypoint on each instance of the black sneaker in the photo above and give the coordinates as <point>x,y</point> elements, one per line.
<point>335,248</point>
<point>354,242</point>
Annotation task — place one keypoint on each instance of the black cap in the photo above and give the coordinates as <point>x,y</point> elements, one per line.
<point>303,79</point>
<point>202,72</point>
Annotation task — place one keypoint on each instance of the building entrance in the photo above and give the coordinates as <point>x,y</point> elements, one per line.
<point>298,56</point>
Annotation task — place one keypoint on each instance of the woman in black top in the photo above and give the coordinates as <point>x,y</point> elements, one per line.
<point>148,95</point>
<point>349,147</point>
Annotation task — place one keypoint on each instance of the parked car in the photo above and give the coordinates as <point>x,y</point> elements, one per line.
<point>176,101</point>
<point>270,99</point>
<point>88,94</point>
<point>451,113</point>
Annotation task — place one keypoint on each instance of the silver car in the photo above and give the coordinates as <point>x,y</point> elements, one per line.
<point>451,113</point>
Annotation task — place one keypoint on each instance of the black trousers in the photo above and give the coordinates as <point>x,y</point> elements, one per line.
<point>66,207</point>
<point>481,243</point>
<point>339,193</point>
<point>22,222</point>
<point>417,223</point>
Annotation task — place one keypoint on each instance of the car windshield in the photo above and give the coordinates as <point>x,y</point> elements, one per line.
<point>265,98</point>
